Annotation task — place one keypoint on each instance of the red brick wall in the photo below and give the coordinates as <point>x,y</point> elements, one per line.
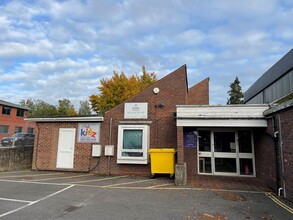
<point>163,130</point>
<point>14,121</point>
<point>287,133</point>
<point>199,93</point>
<point>173,91</point>
<point>46,147</point>
<point>265,155</point>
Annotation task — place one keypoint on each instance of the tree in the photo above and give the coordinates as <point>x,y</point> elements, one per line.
<point>120,88</point>
<point>65,108</point>
<point>235,93</point>
<point>39,108</point>
<point>84,108</point>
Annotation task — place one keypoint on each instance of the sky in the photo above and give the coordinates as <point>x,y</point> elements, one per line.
<point>56,49</point>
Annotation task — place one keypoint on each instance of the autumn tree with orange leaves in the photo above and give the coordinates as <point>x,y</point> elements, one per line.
<point>119,88</point>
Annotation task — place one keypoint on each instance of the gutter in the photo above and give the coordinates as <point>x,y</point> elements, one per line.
<point>66,119</point>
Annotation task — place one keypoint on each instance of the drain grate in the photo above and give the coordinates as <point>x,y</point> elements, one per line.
<point>72,208</point>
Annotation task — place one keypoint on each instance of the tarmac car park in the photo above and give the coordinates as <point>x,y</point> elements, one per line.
<point>30,194</point>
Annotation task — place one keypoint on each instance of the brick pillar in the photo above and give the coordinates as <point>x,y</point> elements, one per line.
<point>180,148</point>
<point>180,168</point>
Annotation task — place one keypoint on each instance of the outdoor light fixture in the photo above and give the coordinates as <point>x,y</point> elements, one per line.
<point>156,90</point>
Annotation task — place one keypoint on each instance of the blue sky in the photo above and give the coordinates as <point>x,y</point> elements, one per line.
<point>51,50</point>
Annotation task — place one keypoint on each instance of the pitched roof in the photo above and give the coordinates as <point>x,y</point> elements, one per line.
<point>2,102</point>
<point>282,67</point>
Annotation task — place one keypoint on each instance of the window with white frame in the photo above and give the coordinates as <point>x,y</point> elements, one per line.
<point>133,144</point>
<point>226,152</point>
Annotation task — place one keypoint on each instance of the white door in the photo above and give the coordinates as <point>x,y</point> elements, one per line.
<point>66,148</point>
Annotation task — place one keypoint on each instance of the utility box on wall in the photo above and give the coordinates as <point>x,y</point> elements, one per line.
<point>109,150</point>
<point>96,150</point>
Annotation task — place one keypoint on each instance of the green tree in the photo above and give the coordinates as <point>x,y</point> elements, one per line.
<point>119,88</point>
<point>235,93</point>
<point>84,108</point>
<point>39,108</point>
<point>65,108</point>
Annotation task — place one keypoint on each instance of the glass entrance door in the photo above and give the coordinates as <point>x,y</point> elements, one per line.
<point>228,152</point>
<point>225,153</point>
<point>204,152</point>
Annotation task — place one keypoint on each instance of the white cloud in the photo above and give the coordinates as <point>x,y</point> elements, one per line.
<point>61,49</point>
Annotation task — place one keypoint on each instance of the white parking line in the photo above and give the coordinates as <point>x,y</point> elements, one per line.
<point>15,200</point>
<point>160,185</point>
<point>97,180</point>
<point>24,171</point>
<point>32,182</point>
<point>65,177</point>
<point>44,174</point>
<point>34,202</point>
<point>127,183</point>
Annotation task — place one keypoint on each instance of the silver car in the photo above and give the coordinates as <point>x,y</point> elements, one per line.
<point>19,140</point>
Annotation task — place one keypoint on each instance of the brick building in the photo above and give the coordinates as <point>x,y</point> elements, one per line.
<point>240,141</point>
<point>12,119</point>
<point>149,115</point>
<point>250,140</point>
<point>158,125</point>
<point>275,155</point>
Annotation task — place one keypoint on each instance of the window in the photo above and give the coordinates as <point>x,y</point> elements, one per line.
<point>245,145</point>
<point>224,142</point>
<point>226,152</point>
<point>30,130</point>
<point>6,110</point>
<point>18,130</point>
<point>204,141</point>
<point>133,144</point>
<point>20,112</point>
<point>4,129</point>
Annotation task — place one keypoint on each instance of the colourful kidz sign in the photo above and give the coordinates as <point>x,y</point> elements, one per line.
<point>89,132</point>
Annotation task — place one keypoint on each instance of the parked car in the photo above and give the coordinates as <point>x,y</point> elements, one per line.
<point>19,139</point>
<point>7,141</point>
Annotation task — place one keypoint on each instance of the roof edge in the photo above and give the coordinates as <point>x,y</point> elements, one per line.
<point>68,119</point>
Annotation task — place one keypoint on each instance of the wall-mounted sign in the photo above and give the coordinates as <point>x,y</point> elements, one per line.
<point>89,132</point>
<point>190,138</point>
<point>136,110</point>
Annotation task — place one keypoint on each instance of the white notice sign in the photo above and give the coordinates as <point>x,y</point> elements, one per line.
<point>136,110</point>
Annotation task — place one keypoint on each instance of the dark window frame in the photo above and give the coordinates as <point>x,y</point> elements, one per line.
<point>20,112</point>
<point>6,110</point>
<point>30,130</point>
<point>18,129</point>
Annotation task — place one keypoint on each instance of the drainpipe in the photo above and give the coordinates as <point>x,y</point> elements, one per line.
<point>275,139</point>
<point>282,159</point>
<point>110,142</point>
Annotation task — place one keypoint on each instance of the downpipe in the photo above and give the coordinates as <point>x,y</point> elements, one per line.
<point>282,158</point>
<point>110,142</point>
